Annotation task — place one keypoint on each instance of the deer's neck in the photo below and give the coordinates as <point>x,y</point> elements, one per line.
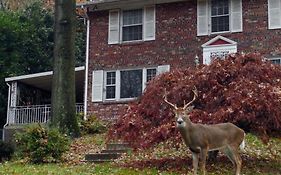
<point>185,132</point>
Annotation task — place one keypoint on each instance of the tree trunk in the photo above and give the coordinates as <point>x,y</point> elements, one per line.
<point>63,85</point>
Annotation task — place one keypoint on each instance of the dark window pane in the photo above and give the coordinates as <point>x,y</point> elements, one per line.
<point>110,78</point>
<point>150,73</point>
<point>132,33</point>
<point>132,17</point>
<point>219,7</point>
<point>220,24</point>
<point>276,61</point>
<point>110,92</point>
<point>131,84</point>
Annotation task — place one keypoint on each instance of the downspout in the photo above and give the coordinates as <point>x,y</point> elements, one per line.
<point>8,110</point>
<point>86,64</point>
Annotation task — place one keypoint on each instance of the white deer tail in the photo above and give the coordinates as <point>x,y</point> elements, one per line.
<point>242,145</point>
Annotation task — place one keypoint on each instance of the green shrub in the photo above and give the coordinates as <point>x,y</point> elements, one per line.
<point>40,144</point>
<point>93,125</point>
<point>6,151</point>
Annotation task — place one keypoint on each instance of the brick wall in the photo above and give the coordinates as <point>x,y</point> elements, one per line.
<point>176,43</point>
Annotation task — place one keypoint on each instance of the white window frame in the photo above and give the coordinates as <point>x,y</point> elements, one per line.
<point>115,24</point>
<point>118,83</point>
<point>204,18</point>
<point>210,18</point>
<point>273,59</point>
<point>122,25</point>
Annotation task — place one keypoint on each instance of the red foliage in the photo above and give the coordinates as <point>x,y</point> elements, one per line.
<point>242,89</point>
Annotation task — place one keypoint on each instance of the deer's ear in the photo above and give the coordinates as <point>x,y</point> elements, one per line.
<point>189,108</point>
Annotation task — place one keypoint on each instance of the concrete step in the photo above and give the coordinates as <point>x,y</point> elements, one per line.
<point>102,156</point>
<point>117,146</point>
<point>115,151</point>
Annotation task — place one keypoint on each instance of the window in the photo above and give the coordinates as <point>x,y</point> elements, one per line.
<point>274,14</point>
<point>122,84</point>
<point>218,48</point>
<point>110,85</point>
<point>215,16</point>
<point>275,60</point>
<point>220,15</point>
<point>150,73</point>
<point>130,83</point>
<point>131,25</point>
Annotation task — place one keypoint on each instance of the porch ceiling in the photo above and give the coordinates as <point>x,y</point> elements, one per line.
<point>43,80</point>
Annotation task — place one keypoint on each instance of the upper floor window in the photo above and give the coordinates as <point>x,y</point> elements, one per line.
<point>214,16</point>
<point>116,85</point>
<point>220,15</point>
<point>131,25</point>
<point>274,14</point>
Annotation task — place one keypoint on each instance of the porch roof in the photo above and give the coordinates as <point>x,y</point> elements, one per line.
<point>110,4</point>
<point>43,80</point>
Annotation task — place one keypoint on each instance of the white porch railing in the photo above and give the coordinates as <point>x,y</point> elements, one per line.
<point>33,114</point>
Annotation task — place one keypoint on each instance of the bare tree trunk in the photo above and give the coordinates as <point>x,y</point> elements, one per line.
<point>63,85</point>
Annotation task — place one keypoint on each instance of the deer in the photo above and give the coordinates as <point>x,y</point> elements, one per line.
<point>202,138</point>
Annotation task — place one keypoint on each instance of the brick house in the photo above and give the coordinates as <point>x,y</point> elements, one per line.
<point>130,42</point>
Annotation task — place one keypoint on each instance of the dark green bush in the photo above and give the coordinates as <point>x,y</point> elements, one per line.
<point>93,125</point>
<point>40,144</point>
<point>6,150</point>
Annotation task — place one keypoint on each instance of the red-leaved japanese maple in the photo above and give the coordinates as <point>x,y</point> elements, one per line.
<point>242,89</point>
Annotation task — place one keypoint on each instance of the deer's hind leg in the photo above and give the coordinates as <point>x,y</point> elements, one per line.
<point>233,155</point>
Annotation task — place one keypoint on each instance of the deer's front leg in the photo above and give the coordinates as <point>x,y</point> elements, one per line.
<point>203,157</point>
<point>195,160</point>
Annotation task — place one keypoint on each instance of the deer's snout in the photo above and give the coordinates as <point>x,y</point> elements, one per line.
<point>180,122</point>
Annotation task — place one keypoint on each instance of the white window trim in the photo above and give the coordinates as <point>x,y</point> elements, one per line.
<point>210,18</point>
<point>274,58</point>
<point>118,83</point>
<point>159,69</point>
<point>121,26</point>
<point>204,18</point>
<point>115,30</point>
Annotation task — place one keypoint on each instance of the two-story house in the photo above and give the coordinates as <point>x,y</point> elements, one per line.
<point>131,41</point>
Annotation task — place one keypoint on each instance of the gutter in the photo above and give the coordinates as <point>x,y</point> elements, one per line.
<point>8,110</point>
<point>86,64</point>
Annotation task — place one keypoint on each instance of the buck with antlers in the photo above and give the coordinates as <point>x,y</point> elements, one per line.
<point>200,138</point>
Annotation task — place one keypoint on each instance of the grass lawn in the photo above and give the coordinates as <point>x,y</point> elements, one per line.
<point>258,159</point>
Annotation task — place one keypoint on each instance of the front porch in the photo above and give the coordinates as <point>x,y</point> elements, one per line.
<point>29,98</point>
<point>21,115</point>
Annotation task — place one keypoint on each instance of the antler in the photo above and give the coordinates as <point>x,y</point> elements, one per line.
<point>194,97</point>
<point>165,99</point>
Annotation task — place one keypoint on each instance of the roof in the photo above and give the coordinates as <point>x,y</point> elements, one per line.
<point>43,80</point>
<point>108,4</point>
